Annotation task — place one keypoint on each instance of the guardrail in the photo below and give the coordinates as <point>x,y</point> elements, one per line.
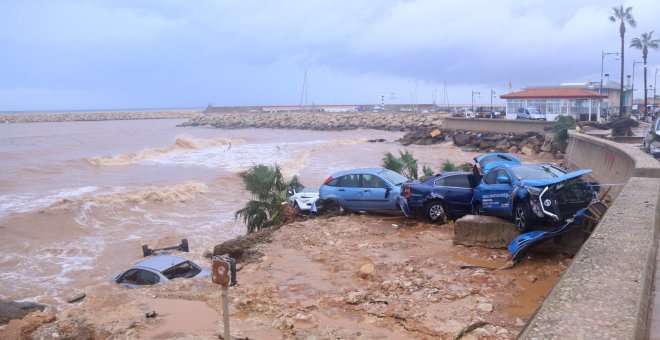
<point>606,291</point>
<point>497,125</point>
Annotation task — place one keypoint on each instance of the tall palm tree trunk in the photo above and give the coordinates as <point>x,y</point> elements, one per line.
<point>646,103</point>
<point>622,32</point>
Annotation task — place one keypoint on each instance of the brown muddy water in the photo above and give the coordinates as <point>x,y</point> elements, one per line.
<point>78,199</point>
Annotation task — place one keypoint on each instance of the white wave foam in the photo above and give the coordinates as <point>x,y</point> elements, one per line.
<point>34,201</point>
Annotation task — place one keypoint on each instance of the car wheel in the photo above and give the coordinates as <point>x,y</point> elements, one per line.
<point>477,209</point>
<point>435,212</point>
<point>522,216</point>
<point>334,207</point>
<point>296,207</point>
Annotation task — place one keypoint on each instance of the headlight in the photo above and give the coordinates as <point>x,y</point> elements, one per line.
<point>534,190</point>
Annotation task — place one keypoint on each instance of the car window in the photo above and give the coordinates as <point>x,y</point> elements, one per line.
<point>129,277</point>
<point>350,181</point>
<point>333,183</point>
<point>458,181</point>
<point>372,181</point>
<point>439,182</point>
<point>147,278</point>
<point>185,269</point>
<point>491,178</point>
<point>537,172</point>
<point>394,177</point>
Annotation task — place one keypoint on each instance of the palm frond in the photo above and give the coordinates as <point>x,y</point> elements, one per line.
<point>391,162</point>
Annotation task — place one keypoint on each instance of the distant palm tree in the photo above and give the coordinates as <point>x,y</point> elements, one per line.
<point>269,191</point>
<point>644,42</point>
<point>623,16</point>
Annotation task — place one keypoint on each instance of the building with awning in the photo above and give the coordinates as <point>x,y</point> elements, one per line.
<point>554,101</point>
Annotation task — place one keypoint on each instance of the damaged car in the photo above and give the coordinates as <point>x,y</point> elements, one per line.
<point>303,199</point>
<point>447,195</point>
<point>158,269</point>
<point>532,193</point>
<point>652,139</point>
<point>490,160</point>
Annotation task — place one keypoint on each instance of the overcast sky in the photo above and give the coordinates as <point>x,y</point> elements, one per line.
<point>115,54</point>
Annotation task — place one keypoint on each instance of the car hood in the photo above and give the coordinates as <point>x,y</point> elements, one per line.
<point>491,165</point>
<point>546,182</point>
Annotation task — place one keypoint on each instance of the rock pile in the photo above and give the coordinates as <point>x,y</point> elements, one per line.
<point>318,120</point>
<point>95,116</point>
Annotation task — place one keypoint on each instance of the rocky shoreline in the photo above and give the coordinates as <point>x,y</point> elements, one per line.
<point>319,120</point>
<point>94,116</point>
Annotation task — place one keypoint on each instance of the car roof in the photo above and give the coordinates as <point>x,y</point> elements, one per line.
<point>160,263</point>
<point>357,171</point>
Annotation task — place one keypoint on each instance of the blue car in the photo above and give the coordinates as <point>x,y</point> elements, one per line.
<point>530,193</point>
<point>490,160</point>
<point>447,195</point>
<point>362,190</point>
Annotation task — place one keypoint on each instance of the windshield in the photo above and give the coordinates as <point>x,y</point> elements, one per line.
<point>393,177</point>
<point>494,158</point>
<point>537,172</point>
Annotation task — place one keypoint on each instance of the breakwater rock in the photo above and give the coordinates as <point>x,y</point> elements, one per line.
<point>318,120</point>
<point>94,116</point>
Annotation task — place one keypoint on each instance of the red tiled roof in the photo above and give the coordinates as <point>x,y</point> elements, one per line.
<point>555,92</point>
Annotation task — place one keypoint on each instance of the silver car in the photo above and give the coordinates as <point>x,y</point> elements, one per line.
<point>158,269</point>
<point>531,113</point>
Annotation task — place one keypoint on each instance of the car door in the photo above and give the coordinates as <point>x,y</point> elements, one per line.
<point>350,192</point>
<point>496,196</point>
<point>458,193</point>
<point>376,193</point>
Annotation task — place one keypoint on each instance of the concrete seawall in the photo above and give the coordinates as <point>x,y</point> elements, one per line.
<point>497,125</point>
<point>606,290</point>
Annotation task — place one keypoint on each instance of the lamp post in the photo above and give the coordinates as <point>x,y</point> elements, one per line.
<point>632,90</point>
<point>600,91</point>
<point>492,95</point>
<point>655,86</point>
<point>473,93</point>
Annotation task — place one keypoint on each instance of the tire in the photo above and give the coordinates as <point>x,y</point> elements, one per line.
<point>296,207</point>
<point>522,215</point>
<point>477,209</point>
<point>435,212</point>
<point>184,245</point>
<point>333,206</point>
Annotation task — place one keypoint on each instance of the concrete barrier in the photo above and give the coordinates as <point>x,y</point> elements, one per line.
<point>497,125</point>
<point>605,292</point>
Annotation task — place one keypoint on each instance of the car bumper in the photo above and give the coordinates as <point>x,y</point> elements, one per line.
<point>403,205</point>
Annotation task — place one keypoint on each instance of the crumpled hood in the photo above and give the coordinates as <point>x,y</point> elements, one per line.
<point>546,182</point>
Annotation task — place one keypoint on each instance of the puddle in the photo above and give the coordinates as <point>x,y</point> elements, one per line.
<point>176,318</point>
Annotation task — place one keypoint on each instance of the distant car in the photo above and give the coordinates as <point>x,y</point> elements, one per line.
<point>158,269</point>
<point>532,192</point>
<point>531,113</point>
<point>362,190</point>
<point>652,139</point>
<point>303,198</point>
<point>464,112</point>
<point>490,160</point>
<point>447,195</point>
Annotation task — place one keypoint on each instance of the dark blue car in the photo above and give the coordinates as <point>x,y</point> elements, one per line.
<point>448,195</point>
<point>532,192</point>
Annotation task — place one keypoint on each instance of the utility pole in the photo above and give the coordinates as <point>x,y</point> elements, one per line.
<point>492,95</point>
<point>473,93</point>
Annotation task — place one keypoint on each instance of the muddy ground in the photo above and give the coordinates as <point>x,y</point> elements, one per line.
<point>344,277</point>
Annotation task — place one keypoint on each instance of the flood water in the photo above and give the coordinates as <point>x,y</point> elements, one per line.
<point>78,199</point>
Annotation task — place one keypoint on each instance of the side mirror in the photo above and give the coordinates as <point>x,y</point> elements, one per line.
<point>503,180</point>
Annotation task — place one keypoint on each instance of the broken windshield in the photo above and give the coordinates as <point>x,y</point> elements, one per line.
<point>536,172</point>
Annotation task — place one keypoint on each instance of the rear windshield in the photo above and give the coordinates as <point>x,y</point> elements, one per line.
<point>493,158</point>
<point>537,172</point>
<point>393,177</point>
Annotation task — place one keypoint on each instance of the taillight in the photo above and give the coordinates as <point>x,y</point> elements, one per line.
<point>327,180</point>
<point>406,192</point>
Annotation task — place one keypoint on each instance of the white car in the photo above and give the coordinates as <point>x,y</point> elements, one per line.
<point>303,199</point>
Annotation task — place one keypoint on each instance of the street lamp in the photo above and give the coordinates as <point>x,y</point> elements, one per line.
<point>655,87</point>
<point>473,93</point>
<point>492,95</point>
<point>600,91</point>
<point>632,90</point>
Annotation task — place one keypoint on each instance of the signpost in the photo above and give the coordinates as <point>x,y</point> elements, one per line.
<point>224,274</point>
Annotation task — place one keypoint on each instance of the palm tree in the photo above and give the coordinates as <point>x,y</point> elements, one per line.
<point>643,43</point>
<point>623,16</point>
<point>405,164</point>
<point>269,191</point>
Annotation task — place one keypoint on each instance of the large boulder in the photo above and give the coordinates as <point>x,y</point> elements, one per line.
<point>462,139</point>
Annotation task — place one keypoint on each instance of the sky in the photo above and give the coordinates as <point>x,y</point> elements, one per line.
<point>138,54</point>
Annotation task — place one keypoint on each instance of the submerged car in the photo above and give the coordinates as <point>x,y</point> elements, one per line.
<point>490,160</point>
<point>652,139</point>
<point>533,192</point>
<point>362,190</point>
<point>303,199</point>
<point>447,195</point>
<point>158,269</point>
